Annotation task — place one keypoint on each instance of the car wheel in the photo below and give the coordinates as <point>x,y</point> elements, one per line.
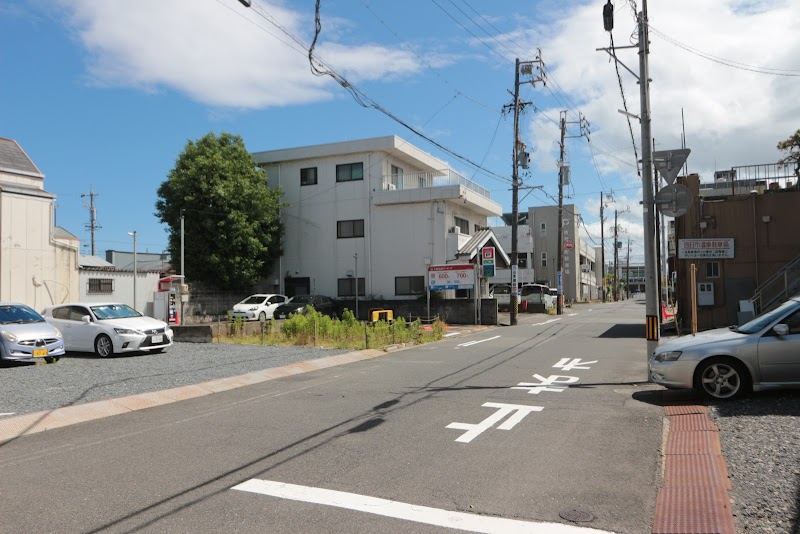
<point>722,379</point>
<point>51,359</point>
<point>103,346</point>
<point>262,316</point>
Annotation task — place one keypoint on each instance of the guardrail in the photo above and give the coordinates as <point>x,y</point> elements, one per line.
<point>417,180</point>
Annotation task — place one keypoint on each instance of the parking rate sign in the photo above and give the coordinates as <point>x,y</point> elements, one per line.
<point>461,276</point>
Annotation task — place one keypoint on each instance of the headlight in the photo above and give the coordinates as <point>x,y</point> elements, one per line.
<point>128,331</point>
<point>670,356</point>
<point>9,336</point>
<point>58,332</point>
<point>254,308</point>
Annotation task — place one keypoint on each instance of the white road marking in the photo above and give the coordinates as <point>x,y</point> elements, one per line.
<point>452,334</point>
<point>571,314</point>
<point>575,363</point>
<point>7,413</point>
<point>473,431</point>
<point>408,512</point>
<point>546,322</point>
<point>469,343</point>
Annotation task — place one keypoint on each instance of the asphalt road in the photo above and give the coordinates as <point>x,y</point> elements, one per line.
<point>502,429</point>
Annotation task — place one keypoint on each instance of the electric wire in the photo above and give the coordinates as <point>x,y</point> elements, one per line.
<point>625,107</point>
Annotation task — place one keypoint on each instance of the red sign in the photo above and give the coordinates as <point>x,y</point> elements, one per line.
<point>487,253</point>
<point>569,245</point>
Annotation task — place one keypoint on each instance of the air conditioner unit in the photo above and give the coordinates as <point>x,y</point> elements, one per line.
<point>453,230</point>
<point>391,187</point>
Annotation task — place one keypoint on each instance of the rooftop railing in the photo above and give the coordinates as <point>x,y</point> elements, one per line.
<point>417,180</point>
<point>746,179</point>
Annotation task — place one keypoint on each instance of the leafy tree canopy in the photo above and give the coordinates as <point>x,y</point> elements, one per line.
<point>232,229</point>
<point>791,147</point>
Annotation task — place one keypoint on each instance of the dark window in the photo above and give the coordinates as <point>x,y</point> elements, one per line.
<point>347,287</point>
<point>544,259</point>
<point>462,224</point>
<point>409,285</point>
<point>522,260</point>
<point>543,229</point>
<point>345,229</point>
<point>712,269</point>
<point>350,172</point>
<point>308,176</point>
<point>101,285</point>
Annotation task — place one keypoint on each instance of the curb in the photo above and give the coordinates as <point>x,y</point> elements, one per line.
<point>31,423</point>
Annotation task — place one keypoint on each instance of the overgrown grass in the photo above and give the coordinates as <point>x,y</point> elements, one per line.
<point>315,329</point>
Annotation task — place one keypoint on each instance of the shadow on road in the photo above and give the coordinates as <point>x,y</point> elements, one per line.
<point>618,331</point>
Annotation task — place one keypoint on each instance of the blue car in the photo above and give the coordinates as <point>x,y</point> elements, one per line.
<point>26,337</point>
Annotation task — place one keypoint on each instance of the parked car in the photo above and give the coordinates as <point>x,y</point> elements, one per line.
<point>529,295</point>
<point>258,307</point>
<point>108,328</point>
<point>725,363</point>
<point>25,336</point>
<point>299,304</point>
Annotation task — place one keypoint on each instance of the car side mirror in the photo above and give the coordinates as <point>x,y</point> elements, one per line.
<point>781,329</point>
<point>86,319</point>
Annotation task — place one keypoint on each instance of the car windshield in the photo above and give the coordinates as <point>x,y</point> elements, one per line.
<point>760,322</point>
<point>18,314</point>
<point>253,300</point>
<point>114,311</point>
<point>301,299</point>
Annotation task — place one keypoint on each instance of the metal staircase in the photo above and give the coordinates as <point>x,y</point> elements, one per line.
<point>779,287</point>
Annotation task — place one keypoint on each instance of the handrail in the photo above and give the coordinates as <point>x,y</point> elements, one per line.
<point>777,287</point>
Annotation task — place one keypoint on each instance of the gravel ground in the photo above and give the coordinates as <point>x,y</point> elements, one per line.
<point>760,438</point>
<point>78,378</point>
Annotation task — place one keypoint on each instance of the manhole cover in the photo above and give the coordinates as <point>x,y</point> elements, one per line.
<point>576,514</point>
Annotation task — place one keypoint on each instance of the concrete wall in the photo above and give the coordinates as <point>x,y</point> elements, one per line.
<point>146,286</point>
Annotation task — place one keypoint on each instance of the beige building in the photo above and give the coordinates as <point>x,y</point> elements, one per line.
<point>38,262</point>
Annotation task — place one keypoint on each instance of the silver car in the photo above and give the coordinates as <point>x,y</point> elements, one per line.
<point>26,337</point>
<point>761,354</point>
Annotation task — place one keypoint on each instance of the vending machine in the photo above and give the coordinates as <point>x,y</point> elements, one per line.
<point>165,302</point>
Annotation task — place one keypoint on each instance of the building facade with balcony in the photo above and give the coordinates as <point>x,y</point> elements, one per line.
<point>369,216</point>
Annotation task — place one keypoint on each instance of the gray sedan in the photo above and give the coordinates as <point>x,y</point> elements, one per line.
<point>724,363</point>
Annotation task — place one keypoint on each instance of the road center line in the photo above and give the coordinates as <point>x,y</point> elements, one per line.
<point>469,343</point>
<point>408,512</point>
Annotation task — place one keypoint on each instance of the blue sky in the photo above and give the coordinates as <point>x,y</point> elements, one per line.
<point>105,95</point>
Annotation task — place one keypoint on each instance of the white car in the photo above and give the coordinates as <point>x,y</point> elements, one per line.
<point>108,328</point>
<point>259,307</point>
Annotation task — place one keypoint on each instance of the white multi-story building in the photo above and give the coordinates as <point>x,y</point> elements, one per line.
<point>373,212</point>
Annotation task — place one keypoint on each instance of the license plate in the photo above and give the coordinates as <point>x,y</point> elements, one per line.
<point>157,339</point>
<point>39,353</point>
<point>281,316</point>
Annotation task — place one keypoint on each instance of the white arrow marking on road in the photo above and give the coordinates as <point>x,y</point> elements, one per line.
<point>407,512</point>
<point>546,322</point>
<point>473,431</point>
<point>552,380</point>
<point>468,343</point>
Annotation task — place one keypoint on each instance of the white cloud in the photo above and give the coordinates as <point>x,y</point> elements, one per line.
<point>218,53</point>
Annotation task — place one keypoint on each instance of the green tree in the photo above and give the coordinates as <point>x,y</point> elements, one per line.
<point>232,228</point>
<point>791,147</point>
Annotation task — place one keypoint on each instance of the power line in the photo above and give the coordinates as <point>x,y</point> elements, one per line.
<point>470,32</point>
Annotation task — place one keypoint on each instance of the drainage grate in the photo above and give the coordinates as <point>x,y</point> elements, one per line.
<point>576,515</point>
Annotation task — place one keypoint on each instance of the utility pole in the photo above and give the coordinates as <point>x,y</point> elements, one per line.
<point>652,323</point>
<point>602,252</point>
<point>628,272</point>
<point>616,256</point>
<point>355,257</point>
<point>560,249</point>
<point>519,156</point>
<point>92,226</point>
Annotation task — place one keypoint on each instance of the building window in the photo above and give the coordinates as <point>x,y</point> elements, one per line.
<point>101,285</point>
<point>522,260</point>
<point>347,287</point>
<point>345,229</point>
<point>462,225</point>
<point>409,285</point>
<point>712,269</point>
<point>350,172</point>
<point>544,259</point>
<point>308,176</point>
<point>397,177</point>
<point>543,229</point>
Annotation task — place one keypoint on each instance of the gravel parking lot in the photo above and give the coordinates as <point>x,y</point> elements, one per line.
<point>760,438</point>
<point>78,378</point>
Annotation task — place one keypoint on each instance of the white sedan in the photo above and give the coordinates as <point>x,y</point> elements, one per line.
<point>259,307</point>
<point>108,328</point>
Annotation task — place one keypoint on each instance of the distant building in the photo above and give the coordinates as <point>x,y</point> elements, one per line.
<point>38,261</point>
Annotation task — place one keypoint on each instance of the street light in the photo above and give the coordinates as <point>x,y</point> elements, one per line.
<point>134,267</point>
